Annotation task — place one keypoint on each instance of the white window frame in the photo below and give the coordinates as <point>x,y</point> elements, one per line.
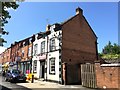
<point>29,51</point>
<point>35,66</point>
<point>52,44</point>
<point>42,47</point>
<point>23,53</point>
<point>35,49</point>
<point>52,65</point>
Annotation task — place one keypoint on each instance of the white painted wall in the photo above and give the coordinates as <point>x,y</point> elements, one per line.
<point>55,55</point>
<point>35,57</point>
<point>39,51</point>
<point>56,76</point>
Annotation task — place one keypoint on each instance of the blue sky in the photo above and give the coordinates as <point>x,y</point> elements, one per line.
<point>32,17</point>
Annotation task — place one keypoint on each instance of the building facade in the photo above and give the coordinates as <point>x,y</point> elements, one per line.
<point>25,55</point>
<point>57,54</point>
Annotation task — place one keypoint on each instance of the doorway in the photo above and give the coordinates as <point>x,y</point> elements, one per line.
<point>42,69</point>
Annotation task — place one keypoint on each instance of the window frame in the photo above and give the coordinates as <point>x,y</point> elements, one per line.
<point>23,53</point>
<point>35,49</point>
<point>52,66</point>
<point>42,47</point>
<point>52,45</point>
<point>30,51</point>
<point>35,66</point>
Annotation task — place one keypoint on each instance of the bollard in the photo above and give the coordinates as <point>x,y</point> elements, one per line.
<point>32,79</point>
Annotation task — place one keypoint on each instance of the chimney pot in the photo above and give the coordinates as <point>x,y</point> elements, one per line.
<point>47,27</point>
<point>79,10</point>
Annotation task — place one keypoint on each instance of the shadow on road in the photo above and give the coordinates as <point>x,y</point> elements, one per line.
<point>6,88</point>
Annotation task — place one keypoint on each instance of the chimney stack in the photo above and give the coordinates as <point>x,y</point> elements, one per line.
<point>47,27</point>
<point>79,11</point>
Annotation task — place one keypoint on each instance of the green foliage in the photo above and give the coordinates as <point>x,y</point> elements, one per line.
<point>110,56</point>
<point>110,51</point>
<point>5,13</point>
<point>4,16</point>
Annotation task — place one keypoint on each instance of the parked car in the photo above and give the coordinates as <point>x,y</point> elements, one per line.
<point>14,75</point>
<point>3,73</point>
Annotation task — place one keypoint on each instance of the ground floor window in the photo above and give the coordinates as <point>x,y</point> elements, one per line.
<point>35,66</point>
<point>52,65</point>
<point>28,67</point>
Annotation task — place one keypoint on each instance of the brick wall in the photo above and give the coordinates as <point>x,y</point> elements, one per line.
<point>14,50</point>
<point>78,41</point>
<point>78,46</point>
<point>107,76</point>
<point>25,48</point>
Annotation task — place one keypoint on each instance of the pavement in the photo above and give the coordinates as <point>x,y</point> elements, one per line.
<point>46,84</point>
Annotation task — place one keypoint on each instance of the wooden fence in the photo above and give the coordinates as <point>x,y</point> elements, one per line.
<point>88,75</point>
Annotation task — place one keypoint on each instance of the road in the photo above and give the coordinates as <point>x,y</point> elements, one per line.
<point>37,86</point>
<point>10,86</point>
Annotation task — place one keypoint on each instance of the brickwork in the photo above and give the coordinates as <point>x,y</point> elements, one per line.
<point>107,76</point>
<point>14,51</point>
<point>78,41</point>
<point>79,44</point>
<point>25,57</point>
<point>5,56</point>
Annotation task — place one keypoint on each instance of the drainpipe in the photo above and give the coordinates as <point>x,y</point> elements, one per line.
<point>32,56</point>
<point>46,57</point>
<point>96,49</point>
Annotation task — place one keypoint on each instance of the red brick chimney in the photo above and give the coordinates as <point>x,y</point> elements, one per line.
<point>79,11</point>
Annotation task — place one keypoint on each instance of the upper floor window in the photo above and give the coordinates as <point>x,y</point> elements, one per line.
<point>23,43</point>
<point>52,44</point>
<point>35,49</point>
<point>29,51</point>
<point>30,40</point>
<point>23,53</point>
<point>43,47</point>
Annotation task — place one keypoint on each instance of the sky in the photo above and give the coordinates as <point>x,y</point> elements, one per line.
<point>32,17</point>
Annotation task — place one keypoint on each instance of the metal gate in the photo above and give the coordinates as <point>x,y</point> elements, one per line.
<point>88,75</point>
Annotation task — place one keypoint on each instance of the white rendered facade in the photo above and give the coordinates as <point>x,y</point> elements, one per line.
<point>49,61</point>
<point>54,76</point>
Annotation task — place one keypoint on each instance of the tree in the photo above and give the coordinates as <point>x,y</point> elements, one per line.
<point>116,49</point>
<point>4,16</point>
<point>108,48</point>
<point>110,51</point>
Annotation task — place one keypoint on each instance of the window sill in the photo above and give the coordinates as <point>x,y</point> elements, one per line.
<point>52,73</point>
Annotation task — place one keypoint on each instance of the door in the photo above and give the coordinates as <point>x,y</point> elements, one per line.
<point>73,74</point>
<point>42,69</point>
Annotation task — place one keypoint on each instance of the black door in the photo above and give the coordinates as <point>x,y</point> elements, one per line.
<point>43,68</point>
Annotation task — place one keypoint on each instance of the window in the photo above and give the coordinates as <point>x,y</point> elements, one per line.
<point>52,65</point>
<point>35,49</point>
<point>52,44</point>
<point>29,51</point>
<point>30,40</point>
<point>23,43</point>
<point>60,40</point>
<point>35,66</point>
<point>43,47</point>
<point>23,53</point>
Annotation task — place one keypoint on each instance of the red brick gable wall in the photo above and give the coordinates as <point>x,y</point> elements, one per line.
<point>78,41</point>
